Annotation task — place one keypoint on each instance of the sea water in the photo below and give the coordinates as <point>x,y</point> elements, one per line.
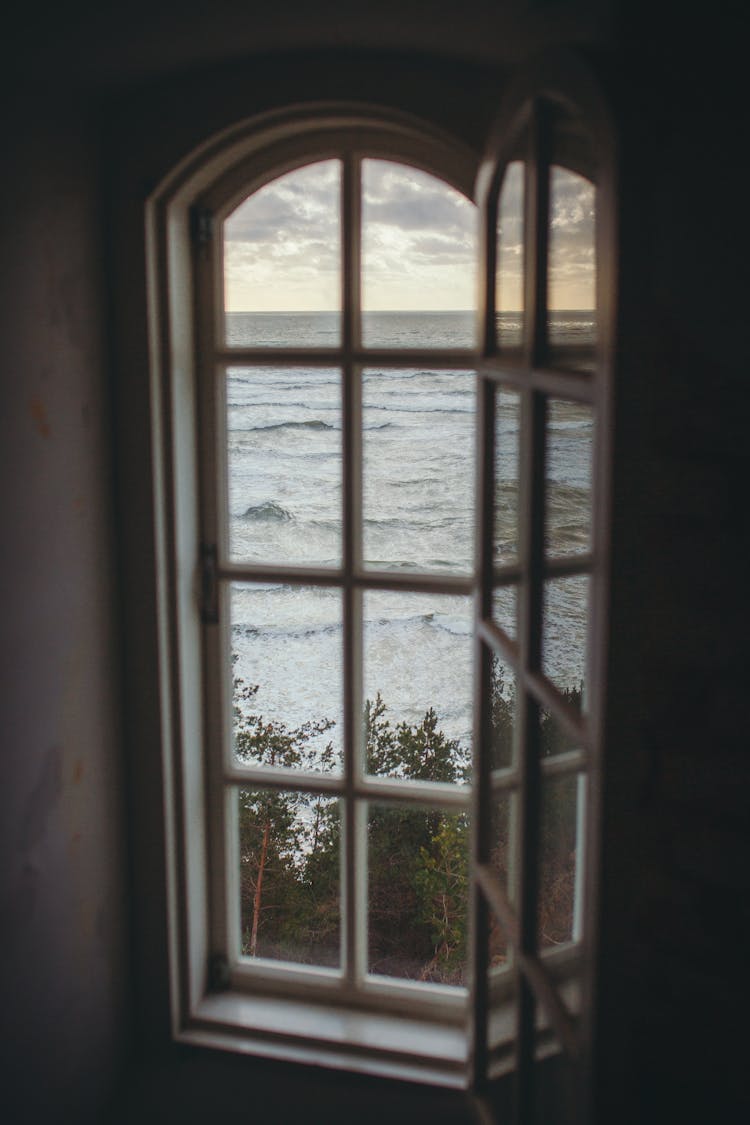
<point>418,454</point>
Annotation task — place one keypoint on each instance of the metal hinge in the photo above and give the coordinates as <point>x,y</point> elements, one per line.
<point>219,977</point>
<point>209,585</point>
<point>201,225</point>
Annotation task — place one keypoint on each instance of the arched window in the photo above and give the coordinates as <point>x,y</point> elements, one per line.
<point>384,535</point>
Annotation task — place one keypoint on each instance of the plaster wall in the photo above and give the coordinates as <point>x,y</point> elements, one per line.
<point>63,1017</point>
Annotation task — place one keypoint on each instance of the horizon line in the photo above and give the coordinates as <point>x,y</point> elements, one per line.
<point>391,312</point>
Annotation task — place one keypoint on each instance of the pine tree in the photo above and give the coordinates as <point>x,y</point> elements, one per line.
<point>277,828</point>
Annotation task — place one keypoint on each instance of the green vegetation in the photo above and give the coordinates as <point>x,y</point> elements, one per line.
<point>418,857</point>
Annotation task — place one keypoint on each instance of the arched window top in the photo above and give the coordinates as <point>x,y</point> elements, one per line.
<point>243,157</point>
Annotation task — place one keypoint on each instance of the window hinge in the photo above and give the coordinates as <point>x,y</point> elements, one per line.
<point>201,225</point>
<point>219,978</point>
<point>209,585</point>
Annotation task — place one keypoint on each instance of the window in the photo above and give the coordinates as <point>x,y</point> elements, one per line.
<point>301,588</point>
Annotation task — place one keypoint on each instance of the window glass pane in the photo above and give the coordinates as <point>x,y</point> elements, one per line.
<point>503,715</point>
<point>509,280</point>
<point>418,260</point>
<point>505,609</point>
<point>564,634</point>
<point>289,876</point>
<point>554,738</point>
<point>503,862</point>
<point>418,474</point>
<point>287,670</point>
<point>571,275</point>
<point>507,453</point>
<point>417,652</point>
<point>284,465</point>
<point>570,433</point>
<point>282,262</point>
<point>418,893</point>
<point>561,859</point>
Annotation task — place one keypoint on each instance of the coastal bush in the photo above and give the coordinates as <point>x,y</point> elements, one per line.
<point>289,844</point>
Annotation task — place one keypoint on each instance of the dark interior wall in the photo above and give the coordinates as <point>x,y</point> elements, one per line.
<point>676,881</point>
<point>676,849</point>
<point>63,1017</point>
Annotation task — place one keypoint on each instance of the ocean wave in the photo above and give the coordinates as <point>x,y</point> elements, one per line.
<point>267,511</point>
<point>312,424</point>
<point>401,409</point>
<point>240,629</point>
<point>456,627</point>
<point>455,565</point>
<point>389,394</point>
<point>415,521</point>
<point>412,481</point>
<point>372,375</point>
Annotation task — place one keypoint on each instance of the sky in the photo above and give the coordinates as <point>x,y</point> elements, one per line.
<point>419,242</point>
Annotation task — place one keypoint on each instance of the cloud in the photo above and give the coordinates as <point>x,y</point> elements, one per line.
<point>418,240</point>
<point>282,244</point>
<point>572,264</point>
<point>419,249</point>
<point>301,203</point>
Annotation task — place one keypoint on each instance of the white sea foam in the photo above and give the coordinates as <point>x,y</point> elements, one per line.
<point>285,496</point>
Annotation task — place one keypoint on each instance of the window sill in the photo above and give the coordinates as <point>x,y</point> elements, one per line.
<point>361,1042</point>
<point>319,1032</point>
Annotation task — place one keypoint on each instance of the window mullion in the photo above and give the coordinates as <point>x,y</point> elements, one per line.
<point>481,796</point>
<point>211,398</point>
<point>353,853</point>
<point>533,423</point>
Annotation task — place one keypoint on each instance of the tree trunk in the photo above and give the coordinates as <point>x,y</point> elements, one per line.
<point>259,887</point>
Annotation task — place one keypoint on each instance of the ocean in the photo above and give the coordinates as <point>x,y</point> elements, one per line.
<point>418,442</point>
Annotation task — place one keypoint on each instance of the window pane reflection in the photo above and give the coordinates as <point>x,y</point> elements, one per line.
<point>560,860</point>
<point>571,276</point>
<point>509,279</point>
<point>564,635</point>
<point>503,862</point>
<point>506,475</point>
<point>568,501</point>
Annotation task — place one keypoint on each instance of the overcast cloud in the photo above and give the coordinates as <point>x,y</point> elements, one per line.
<point>419,247</point>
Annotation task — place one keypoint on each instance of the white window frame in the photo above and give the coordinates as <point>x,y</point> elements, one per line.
<point>401,1030</point>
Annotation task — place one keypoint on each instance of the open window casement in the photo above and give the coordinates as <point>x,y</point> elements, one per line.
<point>529,803</point>
<point>545,192</point>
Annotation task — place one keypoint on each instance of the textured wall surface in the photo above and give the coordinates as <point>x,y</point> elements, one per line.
<point>62,879</point>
